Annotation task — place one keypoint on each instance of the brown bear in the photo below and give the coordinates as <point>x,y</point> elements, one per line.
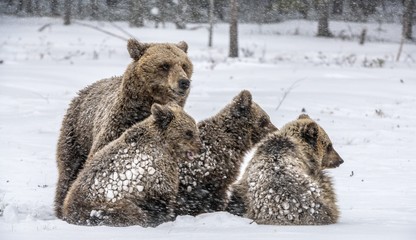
<point>285,183</point>
<point>159,73</point>
<point>226,138</point>
<point>134,179</point>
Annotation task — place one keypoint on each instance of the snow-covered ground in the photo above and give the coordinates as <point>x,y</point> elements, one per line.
<point>360,94</point>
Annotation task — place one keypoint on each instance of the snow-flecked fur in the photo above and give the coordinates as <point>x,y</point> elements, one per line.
<point>226,138</point>
<point>159,73</point>
<point>134,180</point>
<point>285,183</point>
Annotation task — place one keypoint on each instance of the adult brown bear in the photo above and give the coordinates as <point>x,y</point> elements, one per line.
<point>159,73</point>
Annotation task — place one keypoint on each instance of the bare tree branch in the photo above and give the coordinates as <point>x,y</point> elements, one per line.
<point>399,53</point>
<point>287,91</point>
<point>101,30</point>
<point>44,26</point>
<point>122,30</point>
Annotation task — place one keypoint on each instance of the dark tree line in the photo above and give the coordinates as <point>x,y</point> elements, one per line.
<point>182,12</point>
<point>134,11</point>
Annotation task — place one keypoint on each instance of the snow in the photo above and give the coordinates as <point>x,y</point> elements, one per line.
<point>368,108</point>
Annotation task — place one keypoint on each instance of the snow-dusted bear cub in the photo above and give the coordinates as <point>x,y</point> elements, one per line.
<point>285,183</point>
<point>134,179</point>
<point>226,138</point>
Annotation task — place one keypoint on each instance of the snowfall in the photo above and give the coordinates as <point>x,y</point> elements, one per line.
<point>364,96</point>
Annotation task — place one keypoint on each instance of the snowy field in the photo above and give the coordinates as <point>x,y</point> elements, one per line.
<point>362,97</point>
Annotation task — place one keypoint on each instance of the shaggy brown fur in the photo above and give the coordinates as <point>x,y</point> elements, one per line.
<point>284,183</point>
<point>159,73</point>
<point>134,180</point>
<point>226,138</point>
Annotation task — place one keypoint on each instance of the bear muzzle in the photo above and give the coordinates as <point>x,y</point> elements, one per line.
<point>333,160</point>
<point>196,150</point>
<point>184,84</point>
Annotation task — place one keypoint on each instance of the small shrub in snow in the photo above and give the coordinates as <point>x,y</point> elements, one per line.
<point>247,52</point>
<point>374,63</point>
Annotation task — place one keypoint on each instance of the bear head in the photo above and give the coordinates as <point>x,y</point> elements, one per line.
<point>178,128</point>
<point>314,142</point>
<point>163,69</point>
<point>256,121</point>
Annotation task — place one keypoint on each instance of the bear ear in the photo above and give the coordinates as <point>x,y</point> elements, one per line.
<point>310,132</point>
<point>243,102</point>
<point>183,46</point>
<point>136,49</point>
<point>304,116</point>
<point>162,115</point>
<point>172,105</point>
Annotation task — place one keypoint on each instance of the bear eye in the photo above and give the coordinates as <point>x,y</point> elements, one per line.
<point>329,148</point>
<point>263,122</point>
<point>165,66</point>
<point>189,134</point>
<point>184,67</point>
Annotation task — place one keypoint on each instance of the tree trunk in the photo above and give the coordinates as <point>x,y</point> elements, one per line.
<point>369,7</point>
<point>80,8</point>
<point>211,22</point>
<point>304,9</point>
<point>358,10</point>
<point>233,29</point>
<point>20,6</point>
<point>163,9</point>
<point>322,7</point>
<point>160,17</point>
<point>36,8</point>
<point>363,36</point>
<point>94,9</point>
<point>29,7</point>
<point>338,7</point>
<point>180,21</point>
<point>408,18</point>
<point>67,12</point>
<point>219,9</point>
<point>136,14</point>
<point>54,8</point>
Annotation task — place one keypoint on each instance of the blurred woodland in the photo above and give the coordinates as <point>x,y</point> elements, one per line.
<point>182,12</point>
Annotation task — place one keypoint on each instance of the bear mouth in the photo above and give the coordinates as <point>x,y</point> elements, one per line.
<point>180,93</point>
<point>335,165</point>
<point>190,155</point>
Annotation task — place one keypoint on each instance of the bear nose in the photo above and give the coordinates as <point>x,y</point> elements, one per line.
<point>184,84</point>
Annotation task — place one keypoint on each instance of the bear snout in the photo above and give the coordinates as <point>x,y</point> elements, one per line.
<point>336,163</point>
<point>332,160</point>
<point>337,159</point>
<point>184,84</point>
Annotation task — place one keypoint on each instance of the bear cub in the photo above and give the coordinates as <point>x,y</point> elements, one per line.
<point>226,138</point>
<point>159,73</point>
<point>285,183</point>
<point>134,180</point>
